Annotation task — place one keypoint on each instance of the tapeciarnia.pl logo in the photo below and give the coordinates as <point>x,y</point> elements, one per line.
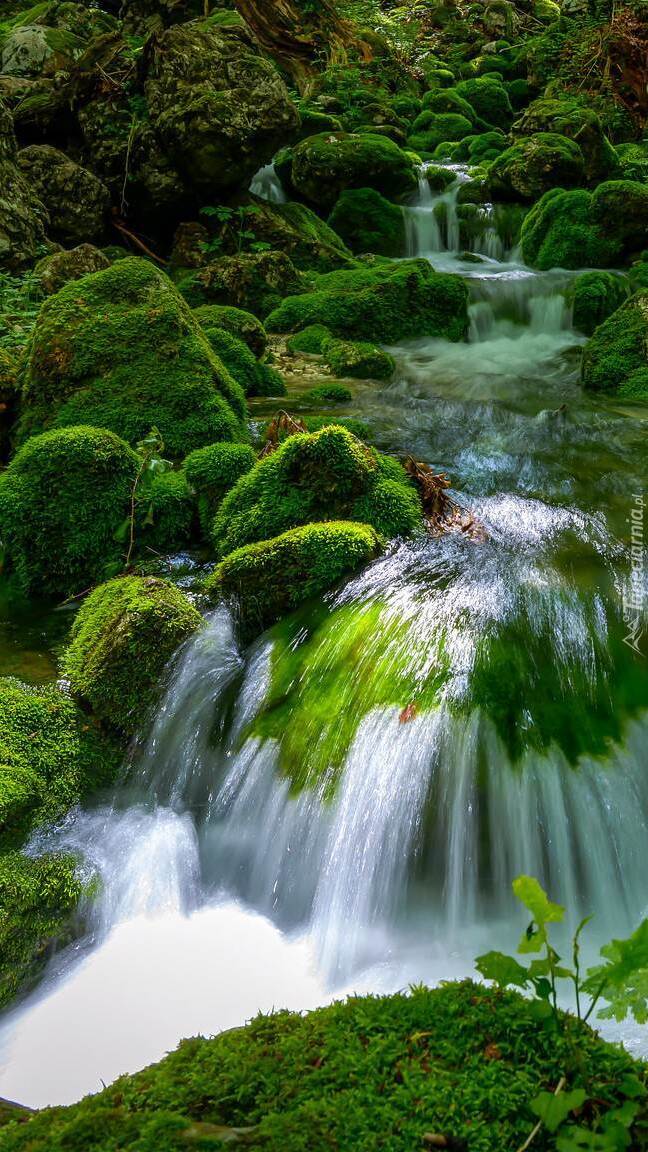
<point>634,597</point>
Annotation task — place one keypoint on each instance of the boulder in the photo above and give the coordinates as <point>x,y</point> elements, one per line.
<point>254,281</point>
<point>321,167</point>
<point>76,200</point>
<point>59,268</point>
<point>367,222</point>
<point>615,360</point>
<point>578,123</point>
<point>23,216</point>
<point>534,165</point>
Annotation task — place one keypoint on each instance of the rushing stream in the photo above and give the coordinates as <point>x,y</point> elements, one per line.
<point>344,805</point>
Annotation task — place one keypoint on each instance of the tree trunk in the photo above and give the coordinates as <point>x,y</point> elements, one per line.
<point>300,34</point>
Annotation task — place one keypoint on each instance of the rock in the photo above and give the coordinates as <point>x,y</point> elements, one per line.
<point>218,110</point>
<point>534,165</point>
<point>297,231</point>
<point>189,243</point>
<point>594,296</point>
<point>32,50</point>
<point>615,360</point>
<point>53,271</point>
<point>582,229</point>
<point>212,471</point>
<point>77,202</point>
<point>238,322</point>
<point>321,167</point>
<point>431,129</point>
<point>489,98</point>
<point>22,215</point>
<point>367,222</point>
<point>254,281</point>
<point>578,123</point>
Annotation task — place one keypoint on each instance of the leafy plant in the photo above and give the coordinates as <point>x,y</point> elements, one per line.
<point>236,223</point>
<point>152,465</point>
<point>20,301</point>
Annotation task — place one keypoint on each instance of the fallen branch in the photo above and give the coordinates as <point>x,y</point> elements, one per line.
<point>138,243</point>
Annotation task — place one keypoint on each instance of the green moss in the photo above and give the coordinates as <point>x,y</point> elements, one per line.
<point>367,222</point>
<point>120,350</point>
<point>594,296</point>
<point>482,149</point>
<point>237,322</point>
<point>616,358</point>
<point>38,900</point>
<point>273,577</point>
<point>446,100</point>
<point>51,757</point>
<point>489,98</point>
<point>310,243</point>
<point>366,1073</point>
<point>324,166</point>
<point>432,129</point>
<point>385,303</point>
<point>329,394</point>
<point>577,121</point>
<point>535,164</point>
<point>633,158</point>
<point>166,522</point>
<point>62,499</point>
<point>212,471</point>
<point>357,428</point>
<point>439,178</point>
<point>359,360</point>
<point>254,377</point>
<point>580,229</point>
<point>310,340</point>
<point>329,475</point>
<point>123,637</point>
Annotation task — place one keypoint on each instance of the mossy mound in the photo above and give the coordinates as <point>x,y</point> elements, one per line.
<point>322,167</point>
<point>367,222</point>
<point>581,229</point>
<point>62,500</point>
<point>432,129</point>
<point>51,756</point>
<point>296,230</point>
<point>574,120</point>
<point>447,100</point>
<point>212,471</point>
<point>310,340</point>
<point>489,98</point>
<point>384,302</point>
<point>358,359</point>
<point>254,282</point>
<point>254,377</point>
<point>535,164</point>
<point>123,637</point>
<point>273,577</point>
<point>329,475</point>
<point>462,1061</point>
<point>616,358</point>
<point>120,350</point>
<point>594,296</point>
<point>237,322</point>
<point>165,519</point>
<point>53,272</point>
<point>329,394</point>
<point>38,902</point>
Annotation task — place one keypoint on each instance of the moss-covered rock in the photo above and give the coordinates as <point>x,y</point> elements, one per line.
<point>615,360</point>
<point>357,359</point>
<point>383,302</point>
<point>273,577</point>
<point>218,110</point>
<point>332,393</point>
<point>326,475</point>
<point>76,200</point>
<point>165,519</point>
<point>322,167</point>
<point>579,229</point>
<point>238,322</point>
<point>53,272</point>
<point>446,100</point>
<point>594,296</point>
<point>120,350</point>
<point>633,160</point>
<point>367,222</point>
<point>431,129</point>
<point>310,340</point>
<point>254,377</point>
<point>254,282</point>
<point>38,902</point>
<point>51,757</point>
<point>212,471</point>
<point>297,231</point>
<point>535,164</point>
<point>489,98</point>
<point>122,638</point>
<point>62,499</point>
<point>573,119</point>
<point>23,216</point>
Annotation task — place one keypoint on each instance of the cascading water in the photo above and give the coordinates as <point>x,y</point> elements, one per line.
<point>346,803</point>
<point>267,185</point>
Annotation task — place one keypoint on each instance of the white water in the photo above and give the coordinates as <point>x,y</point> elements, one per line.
<point>224,893</point>
<point>267,185</point>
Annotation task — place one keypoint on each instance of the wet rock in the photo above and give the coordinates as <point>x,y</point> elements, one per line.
<point>77,201</point>
<point>534,165</point>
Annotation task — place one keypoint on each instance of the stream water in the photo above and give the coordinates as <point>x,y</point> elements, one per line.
<point>463,711</point>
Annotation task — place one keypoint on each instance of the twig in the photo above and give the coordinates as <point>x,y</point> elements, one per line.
<point>139,243</point>
<point>532,1135</point>
<point>77,596</point>
<point>123,204</point>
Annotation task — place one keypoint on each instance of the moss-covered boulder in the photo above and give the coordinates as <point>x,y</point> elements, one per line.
<point>594,296</point>
<point>62,500</point>
<point>367,222</point>
<point>51,757</point>
<point>122,638</point>
<point>357,359</point>
<point>253,281</point>
<point>382,302</point>
<point>212,471</point>
<point>120,350</point>
<point>615,360</point>
<point>581,229</point>
<point>254,377</point>
<point>322,167</point>
<point>535,164</point>
<point>217,109</point>
<point>165,516</point>
<point>573,119</point>
<point>38,902</point>
<point>326,475</point>
<point>431,129</point>
<point>53,272</point>
<point>300,233</point>
<point>273,577</point>
<point>447,100</point>
<point>236,321</point>
<point>23,216</point>
<point>76,200</point>
<point>489,98</point>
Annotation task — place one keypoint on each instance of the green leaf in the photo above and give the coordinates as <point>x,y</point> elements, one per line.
<point>631,1087</point>
<point>623,979</point>
<point>554,1110</point>
<point>503,970</point>
<point>530,893</point>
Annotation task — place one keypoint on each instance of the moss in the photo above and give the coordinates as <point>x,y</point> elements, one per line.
<point>254,377</point>
<point>535,164</point>
<point>489,98</point>
<point>616,358</point>
<point>294,229</point>
<point>574,120</point>
<point>123,637</point>
<point>594,296</point>
<point>324,166</point>
<point>310,340</point>
<point>357,428</point>
<point>62,499</point>
<point>273,577</point>
<point>431,129</point>
<point>579,229</point>
<point>385,303</point>
<point>367,222</point>
<point>237,322</point>
<point>482,148</point>
<point>327,475</point>
<point>119,349</point>
<point>329,394</point>
<point>359,360</point>
<point>354,1076</point>
<point>212,471</point>
<point>166,521</point>
<point>439,178</point>
<point>633,159</point>
<point>38,900</point>
<point>253,281</point>
<point>51,757</point>
<point>447,100</point>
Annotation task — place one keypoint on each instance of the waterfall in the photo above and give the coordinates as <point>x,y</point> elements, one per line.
<point>267,185</point>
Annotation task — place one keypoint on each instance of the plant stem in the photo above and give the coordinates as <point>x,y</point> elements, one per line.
<point>532,1135</point>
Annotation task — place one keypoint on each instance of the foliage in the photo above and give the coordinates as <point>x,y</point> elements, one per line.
<point>122,638</point>
<point>239,222</point>
<point>20,299</point>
